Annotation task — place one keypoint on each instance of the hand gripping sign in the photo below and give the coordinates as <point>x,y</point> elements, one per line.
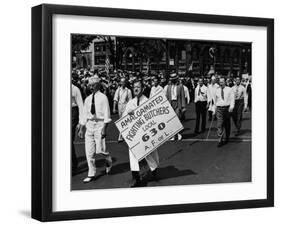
<point>152,124</point>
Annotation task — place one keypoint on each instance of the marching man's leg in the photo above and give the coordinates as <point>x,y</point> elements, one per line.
<point>121,108</point>
<point>227,126</point>
<point>101,146</point>
<point>153,162</point>
<point>90,150</point>
<point>107,156</point>
<point>239,116</point>
<point>219,115</point>
<point>135,168</point>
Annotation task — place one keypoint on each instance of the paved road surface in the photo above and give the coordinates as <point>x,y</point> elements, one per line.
<point>193,160</point>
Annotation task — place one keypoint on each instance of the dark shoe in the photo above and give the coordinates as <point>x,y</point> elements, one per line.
<point>136,184</point>
<point>108,165</point>
<point>155,175</point>
<point>136,179</point>
<point>226,140</point>
<point>220,143</point>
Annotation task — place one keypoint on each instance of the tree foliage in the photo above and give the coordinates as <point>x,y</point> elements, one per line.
<point>81,42</point>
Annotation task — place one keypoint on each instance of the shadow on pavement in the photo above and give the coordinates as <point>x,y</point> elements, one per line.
<point>243,131</point>
<point>83,167</point>
<point>185,129</point>
<point>169,172</point>
<point>189,135</point>
<point>120,168</point>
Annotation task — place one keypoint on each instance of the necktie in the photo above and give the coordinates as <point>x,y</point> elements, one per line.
<point>236,93</point>
<point>93,108</point>
<point>222,94</point>
<point>199,91</point>
<point>138,101</point>
<point>174,90</point>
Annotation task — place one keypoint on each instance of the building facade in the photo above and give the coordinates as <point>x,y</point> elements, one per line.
<point>194,58</point>
<point>97,56</point>
<point>188,57</point>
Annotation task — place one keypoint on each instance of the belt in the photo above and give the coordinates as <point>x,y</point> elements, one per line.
<point>223,106</point>
<point>96,119</point>
<point>201,101</point>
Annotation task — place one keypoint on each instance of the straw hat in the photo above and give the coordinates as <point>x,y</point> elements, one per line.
<point>94,79</point>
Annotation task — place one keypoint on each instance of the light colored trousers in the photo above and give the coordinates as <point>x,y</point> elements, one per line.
<point>121,108</point>
<point>152,161</point>
<point>94,145</point>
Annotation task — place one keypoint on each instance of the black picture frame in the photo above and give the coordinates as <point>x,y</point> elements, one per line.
<point>42,111</point>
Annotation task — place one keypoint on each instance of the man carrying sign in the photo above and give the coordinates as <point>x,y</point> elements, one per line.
<point>153,158</point>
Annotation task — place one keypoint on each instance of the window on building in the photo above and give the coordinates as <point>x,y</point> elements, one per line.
<point>99,60</point>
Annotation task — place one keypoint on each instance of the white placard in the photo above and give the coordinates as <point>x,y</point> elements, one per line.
<point>151,125</point>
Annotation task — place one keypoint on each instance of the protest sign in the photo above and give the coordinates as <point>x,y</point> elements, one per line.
<point>152,124</point>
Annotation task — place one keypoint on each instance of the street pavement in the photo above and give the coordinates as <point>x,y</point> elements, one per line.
<point>193,160</point>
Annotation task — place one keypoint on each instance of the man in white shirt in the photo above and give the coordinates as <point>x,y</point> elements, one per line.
<point>224,104</point>
<point>155,87</point>
<point>121,98</point>
<point>175,95</point>
<point>200,100</point>
<point>153,158</point>
<point>186,90</point>
<point>241,103</point>
<point>212,88</point>
<point>76,113</point>
<point>96,116</point>
<point>186,96</point>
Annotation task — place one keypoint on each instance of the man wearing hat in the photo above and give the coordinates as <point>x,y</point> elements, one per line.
<point>200,100</point>
<point>96,116</point>
<point>186,95</point>
<point>212,88</point>
<point>241,100</point>
<point>175,95</point>
<point>121,98</point>
<point>146,86</point>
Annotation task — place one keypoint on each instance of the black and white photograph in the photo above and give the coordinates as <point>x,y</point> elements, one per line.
<point>142,112</point>
<point>149,112</point>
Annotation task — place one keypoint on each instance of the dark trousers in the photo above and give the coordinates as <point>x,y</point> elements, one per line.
<point>223,121</point>
<point>175,106</point>
<point>201,113</point>
<point>211,116</point>
<point>238,113</point>
<point>75,120</point>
